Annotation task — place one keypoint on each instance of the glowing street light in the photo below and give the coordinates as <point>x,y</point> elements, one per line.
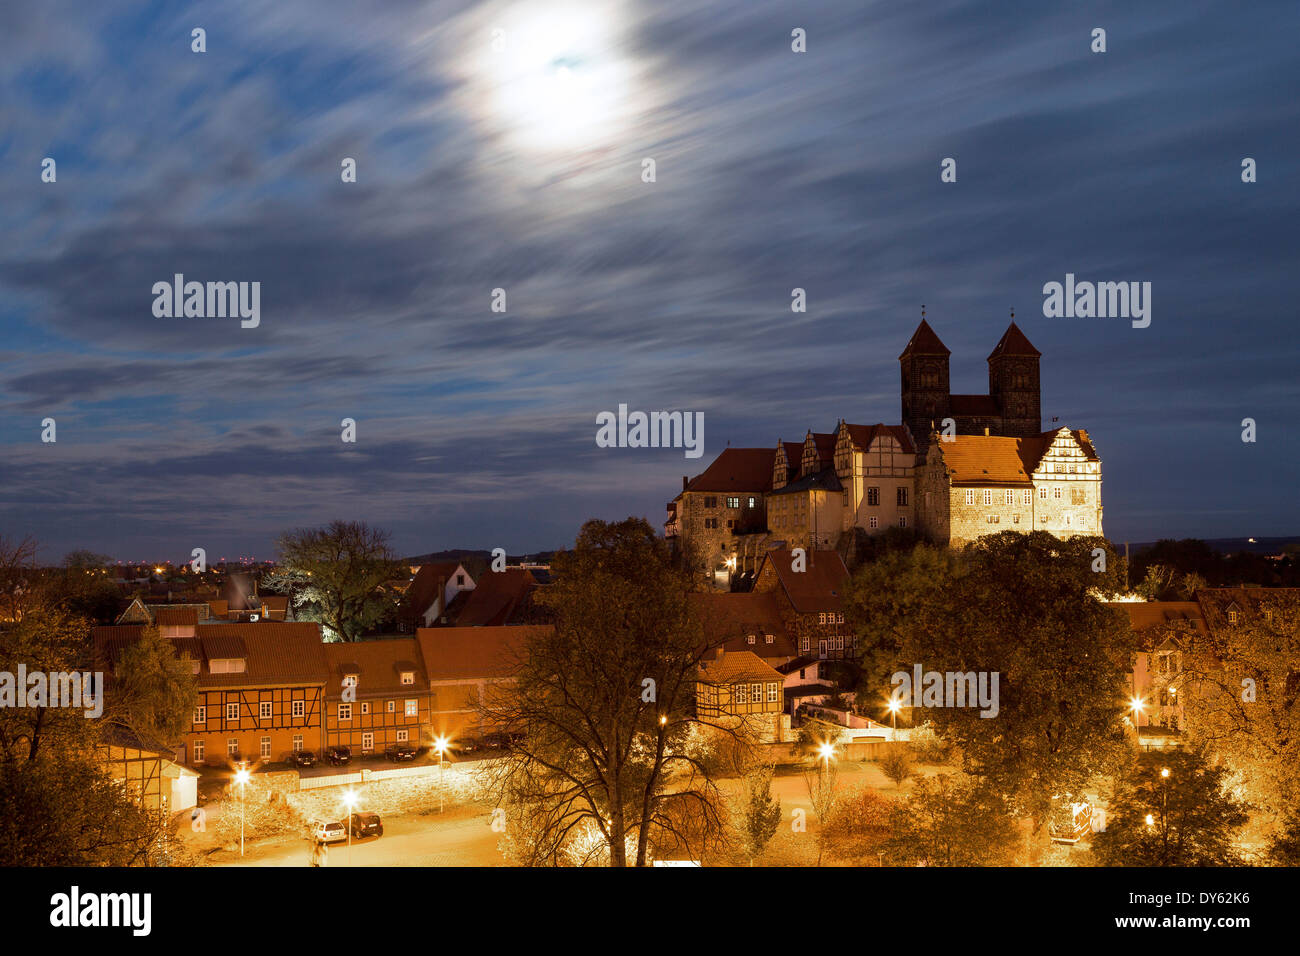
<point>440,745</point>
<point>241,778</point>
<point>825,750</point>
<point>894,705</point>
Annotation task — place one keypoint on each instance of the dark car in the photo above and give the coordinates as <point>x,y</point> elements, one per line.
<point>338,756</point>
<point>366,824</point>
<point>396,752</point>
<point>466,745</point>
<point>303,758</point>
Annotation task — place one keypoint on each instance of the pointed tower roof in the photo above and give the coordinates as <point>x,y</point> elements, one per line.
<point>1013,342</point>
<point>925,342</point>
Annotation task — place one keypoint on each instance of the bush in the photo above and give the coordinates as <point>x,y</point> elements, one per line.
<point>929,747</point>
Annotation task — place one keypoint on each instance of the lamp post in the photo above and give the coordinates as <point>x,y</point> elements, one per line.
<point>241,778</point>
<point>440,745</point>
<point>825,750</point>
<point>894,707</point>
<point>349,801</point>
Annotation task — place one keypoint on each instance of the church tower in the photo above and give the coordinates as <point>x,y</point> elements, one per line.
<point>924,367</point>
<point>1013,383</point>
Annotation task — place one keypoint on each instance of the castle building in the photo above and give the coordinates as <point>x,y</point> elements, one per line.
<point>956,468</point>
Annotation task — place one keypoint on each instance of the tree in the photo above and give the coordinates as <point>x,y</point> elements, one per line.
<point>334,575</point>
<point>1240,688</point>
<point>1284,847</point>
<point>951,821</point>
<point>760,813</point>
<point>1171,809</point>
<point>860,825</point>
<point>17,573</point>
<point>605,700</point>
<point>824,799</point>
<point>896,763</point>
<point>1023,608</point>
<point>154,690</point>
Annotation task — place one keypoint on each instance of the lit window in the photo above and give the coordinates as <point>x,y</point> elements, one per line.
<point>297,741</point>
<point>768,638</point>
<point>345,711</point>
<point>742,694</point>
<point>299,708</point>
<point>988,496</point>
<point>198,751</point>
<point>200,715</point>
<point>402,736</point>
<point>750,639</point>
<point>232,712</point>
<point>232,747</point>
<point>265,750</point>
<point>264,709</point>
<point>756,693</point>
<point>408,677</point>
<point>367,742</point>
<point>392,706</point>
<point>365,707</point>
<point>1232,617</point>
<point>773,692</point>
<point>412,708</point>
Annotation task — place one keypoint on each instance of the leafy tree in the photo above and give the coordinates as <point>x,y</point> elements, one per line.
<point>1240,688</point>
<point>760,812</point>
<point>335,575</point>
<point>896,763</point>
<point>1172,809</point>
<point>1023,607</point>
<point>606,702</point>
<point>951,821</point>
<point>860,826</point>
<point>1284,847</point>
<point>154,691</point>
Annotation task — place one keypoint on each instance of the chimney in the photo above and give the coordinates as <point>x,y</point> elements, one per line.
<point>685,481</point>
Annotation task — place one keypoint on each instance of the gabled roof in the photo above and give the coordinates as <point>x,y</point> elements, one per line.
<point>736,667</point>
<point>1000,460</point>
<point>495,598</point>
<point>824,480</point>
<point>733,617</point>
<point>823,444</point>
<point>818,588</point>
<point>1013,342</point>
<point>862,436</point>
<point>429,584</point>
<point>275,653</point>
<point>738,470</point>
<point>378,666</point>
<point>473,653</point>
<point>924,342</point>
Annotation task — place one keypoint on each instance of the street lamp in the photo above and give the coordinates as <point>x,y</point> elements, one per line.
<point>440,745</point>
<point>349,801</point>
<point>894,707</point>
<point>241,778</point>
<point>825,750</point>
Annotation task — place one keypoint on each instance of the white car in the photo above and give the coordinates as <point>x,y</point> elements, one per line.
<point>329,832</point>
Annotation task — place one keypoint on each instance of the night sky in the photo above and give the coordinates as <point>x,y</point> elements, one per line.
<point>522,169</point>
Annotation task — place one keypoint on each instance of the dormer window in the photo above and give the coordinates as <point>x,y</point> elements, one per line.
<point>749,639</point>
<point>408,677</point>
<point>226,665</point>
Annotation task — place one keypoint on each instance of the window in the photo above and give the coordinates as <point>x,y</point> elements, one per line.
<point>838,642</point>
<point>993,519</point>
<point>773,692</point>
<point>742,694</point>
<point>297,741</point>
<point>752,501</point>
<point>803,644</point>
<point>839,618</point>
<point>733,502</point>
<point>710,501</point>
<point>460,580</point>
<point>264,710</point>
<point>1078,496</point>
<point>1010,497</point>
<point>756,693</point>
<point>1232,617</point>
<point>198,751</point>
<point>749,639</point>
<point>1027,498</point>
<point>873,522</point>
<point>970,496</point>
<point>821,618</point>
<point>873,496</point>
<point>345,711</point>
<point>264,751</point>
<point>408,677</point>
<point>412,708</point>
<point>299,708</point>
<point>367,742</point>
<point>232,747</point>
<point>731,522</point>
<point>710,522</point>
<point>392,706</point>
<point>365,707</point>
<point>1056,493</point>
<point>902,497</point>
<point>768,638</point>
<point>902,521</point>
<point>1015,519</point>
<point>402,737</point>
<point>988,496</point>
<point>232,711</point>
<point>1042,494</point>
<point>201,714</point>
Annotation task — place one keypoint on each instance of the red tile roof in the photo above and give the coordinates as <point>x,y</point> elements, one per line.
<point>473,653</point>
<point>1013,342</point>
<point>863,435</point>
<point>739,469</point>
<point>378,666</point>
<point>176,616</point>
<point>818,588</point>
<point>737,667</point>
<point>495,598</point>
<point>733,617</point>
<point>429,584</point>
<point>999,460</point>
<point>925,342</point>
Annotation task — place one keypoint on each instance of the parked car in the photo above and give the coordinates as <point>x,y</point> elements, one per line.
<point>466,745</point>
<point>366,824</point>
<point>333,832</point>
<point>338,756</point>
<point>303,758</point>
<point>496,741</point>
<point>396,752</point>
